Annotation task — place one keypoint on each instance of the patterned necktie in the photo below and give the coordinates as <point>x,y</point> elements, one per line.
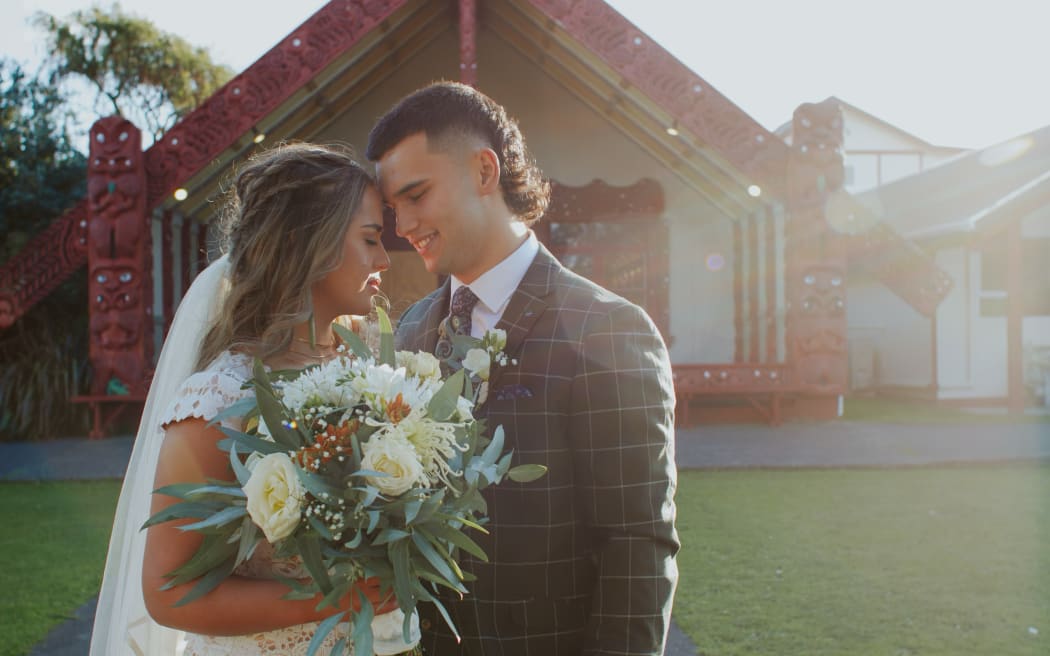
<point>459,321</point>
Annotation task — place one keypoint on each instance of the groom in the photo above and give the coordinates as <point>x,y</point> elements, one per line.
<point>582,561</point>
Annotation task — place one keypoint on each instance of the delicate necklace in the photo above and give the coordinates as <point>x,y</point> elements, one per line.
<point>306,341</point>
<point>319,358</point>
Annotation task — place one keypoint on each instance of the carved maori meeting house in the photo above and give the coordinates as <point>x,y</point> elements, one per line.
<point>737,244</point>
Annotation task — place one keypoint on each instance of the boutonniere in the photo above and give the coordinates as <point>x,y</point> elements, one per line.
<point>477,357</point>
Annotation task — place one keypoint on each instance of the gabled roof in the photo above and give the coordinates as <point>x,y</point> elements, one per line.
<point>348,46</point>
<point>784,131</point>
<point>969,192</point>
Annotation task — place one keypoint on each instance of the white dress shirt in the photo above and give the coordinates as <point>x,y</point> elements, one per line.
<point>495,287</point>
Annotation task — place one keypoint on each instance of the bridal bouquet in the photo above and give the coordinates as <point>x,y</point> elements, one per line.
<point>362,466</point>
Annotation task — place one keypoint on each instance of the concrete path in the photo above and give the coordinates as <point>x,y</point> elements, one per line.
<point>797,445</point>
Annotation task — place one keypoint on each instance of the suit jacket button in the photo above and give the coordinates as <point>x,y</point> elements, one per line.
<point>424,624</point>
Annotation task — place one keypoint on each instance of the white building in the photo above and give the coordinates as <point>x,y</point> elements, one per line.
<point>985,217</point>
<point>877,153</point>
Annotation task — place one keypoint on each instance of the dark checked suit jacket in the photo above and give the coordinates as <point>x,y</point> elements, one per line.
<point>582,561</point>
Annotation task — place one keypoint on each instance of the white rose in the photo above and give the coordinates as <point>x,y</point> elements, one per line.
<point>478,362</point>
<point>387,638</point>
<point>392,455</point>
<point>275,496</point>
<point>422,364</point>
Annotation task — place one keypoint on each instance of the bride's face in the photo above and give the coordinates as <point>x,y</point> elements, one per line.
<point>349,289</point>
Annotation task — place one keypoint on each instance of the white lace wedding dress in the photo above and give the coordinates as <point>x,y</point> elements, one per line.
<point>122,625</point>
<point>204,395</point>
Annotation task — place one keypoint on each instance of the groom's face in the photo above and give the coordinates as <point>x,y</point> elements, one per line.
<point>437,204</point>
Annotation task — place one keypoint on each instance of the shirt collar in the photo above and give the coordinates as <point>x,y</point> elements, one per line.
<point>495,286</point>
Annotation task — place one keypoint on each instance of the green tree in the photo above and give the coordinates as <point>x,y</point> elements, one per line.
<point>147,75</point>
<point>43,357</point>
<point>41,172</point>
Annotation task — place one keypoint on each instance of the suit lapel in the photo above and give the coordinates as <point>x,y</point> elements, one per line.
<point>424,335</point>
<point>526,304</point>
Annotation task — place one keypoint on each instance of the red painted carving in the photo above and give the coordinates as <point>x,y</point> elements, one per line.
<point>818,317</point>
<point>816,284</point>
<point>628,253</point>
<point>598,201</point>
<point>468,47</point>
<point>43,264</point>
<point>194,142</point>
<point>690,100</point>
<point>118,258</point>
<point>902,266</point>
<point>817,167</point>
<point>237,107</point>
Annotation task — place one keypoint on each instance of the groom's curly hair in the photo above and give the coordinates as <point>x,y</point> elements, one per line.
<point>448,112</point>
<point>284,227</point>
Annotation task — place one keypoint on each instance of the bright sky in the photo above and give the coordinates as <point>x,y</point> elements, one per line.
<point>952,72</point>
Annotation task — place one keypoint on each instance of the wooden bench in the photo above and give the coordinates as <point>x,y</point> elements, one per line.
<point>762,386</point>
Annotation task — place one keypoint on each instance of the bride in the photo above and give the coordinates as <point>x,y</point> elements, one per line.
<point>303,248</point>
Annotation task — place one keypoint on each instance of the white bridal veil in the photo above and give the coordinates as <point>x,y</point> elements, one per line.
<point>122,626</point>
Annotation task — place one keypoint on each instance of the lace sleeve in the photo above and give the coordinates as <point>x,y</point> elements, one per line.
<point>204,394</point>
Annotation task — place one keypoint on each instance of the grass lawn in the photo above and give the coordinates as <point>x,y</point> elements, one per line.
<point>931,562</point>
<point>928,562</point>
<point>924,412</point>
<point>52,549</point>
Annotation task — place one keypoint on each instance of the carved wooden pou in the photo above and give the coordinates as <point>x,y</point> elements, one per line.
<point>118,259</point>
<point>816,284</point>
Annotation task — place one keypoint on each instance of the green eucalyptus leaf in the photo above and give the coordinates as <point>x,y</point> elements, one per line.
<point>319,526</point>
<point>184,510</point>
<point>398,554</point>
<point>220,518</point>
<point>441,565</point>
<point>362,626</point>
<point>386,339</point>
<point>272,410</point>
<point>208,582</point>
<point>310,551</point>
<point>212,553</point>
<point>527,473</point>
<point>249,540</point>
<point>352,341</point>
<point>249,443</point>
<point>239,470</point>
<point>238,409</point>
<point>455,537</point>
<point>443,403</point>
<point>323,629</point>
<point>492,451</point>
<point>388,535</point>
<point>423,594</point>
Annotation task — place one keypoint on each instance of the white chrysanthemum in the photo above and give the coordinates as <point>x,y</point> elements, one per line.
<point>321,386</point>
<point>391,454</point>
<point>434,442</point>
<point>378,385</point>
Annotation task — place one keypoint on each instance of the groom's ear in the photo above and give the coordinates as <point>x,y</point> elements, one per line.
<point>487,170</point>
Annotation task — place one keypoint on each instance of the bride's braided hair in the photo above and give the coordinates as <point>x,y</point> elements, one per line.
<point>283,228</point>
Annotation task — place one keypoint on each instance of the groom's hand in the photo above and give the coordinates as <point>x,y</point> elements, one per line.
<point>370,587</point>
